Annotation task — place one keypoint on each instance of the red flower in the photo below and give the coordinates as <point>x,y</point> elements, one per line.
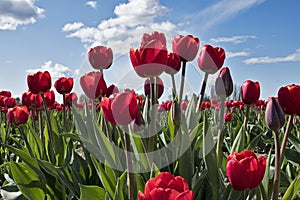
<point>9,102</point>
<point>150,59</point>
<point>224,84</point>
<point>71,98</point>
<point>165,186</point>
<point>160,86</point>
<point>173,64</point>
<point>5,93</point>
<point>211,59</point>
<point>63,85</point>
<point>227,117</point>
<point>100,57</point>
<point>49,98</point>
<point>111,90</point>
<point>186,47</point>
<point>246,165</point>
<point>250,92</point>
<point>17,115</point>
<point>120,108</point>
<point>93,85</point>
<point>288,97</point>
<point>32,101</point>
<point>39,82</point>
<point>153,36</point>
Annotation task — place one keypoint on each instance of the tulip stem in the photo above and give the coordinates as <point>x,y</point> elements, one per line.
<point>174,85</point>
<point>65,113</point>
<point>220,134</point>
<point>285,138</point>
<point>152,117</point>
<point>52,153</point>
<point>202,91</point>
<point>130,175</point>
<point>42,135</point>
<point>26,141</point>
<point>182,81</point>
<point>277,166</point>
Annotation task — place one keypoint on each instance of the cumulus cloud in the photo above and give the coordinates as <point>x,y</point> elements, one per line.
<point>14,13</point>
<point>234,39</point>
<point>126,28</point>
<point>222,11</point>
<point>92,4</point>
<point>294,57</point>
<point>236,54</point>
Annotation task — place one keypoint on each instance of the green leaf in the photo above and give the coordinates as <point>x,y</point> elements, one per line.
<point>191,115</point>
<point>91,192</point>
<point>264,187</point>
<point>292,190</point>
<point>121,181</point>
<point>238,143</point>
<point>27,181</point>
<point>292,156</point>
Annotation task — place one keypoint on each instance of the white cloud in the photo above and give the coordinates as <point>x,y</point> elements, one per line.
<point>14,13</point>
<point>92,4</point>
<point>126,29</point>
<point>222,11</point>
<point>294,57</point>
<point>235,39</point>
<point>236,54</point>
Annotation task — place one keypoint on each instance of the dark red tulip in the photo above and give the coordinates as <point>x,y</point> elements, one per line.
<point>32,101</point>
<point>288,97</point>
<point>111,90</point>
<point>250,92</point>
<point>274,114</point>
<point>245,164</point>
<point>9,102</point>
<point>17,115</point>
<point>63,85</point>
<point>224,84</point>
<point>227,117</point>
<point>211,59</point>
<point>71,98</point>
<point>5,93</point>
<point>93,85</point>
<point>166,186</point>
<point>150,59</point>
<point>120,108</point>
<point>100,57</point>
<point>39,82</point>
<point>49,98</point>
<point>160,86</point>
<point>186,47</point>
<point>173,64</point>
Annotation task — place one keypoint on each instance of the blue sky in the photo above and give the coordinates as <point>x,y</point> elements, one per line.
<point>260,37</point>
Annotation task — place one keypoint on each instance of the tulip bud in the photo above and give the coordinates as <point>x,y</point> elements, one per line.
<point>224,84</point>
<point>274,115</point>
<point>250,92</point>
<point>288,97</point>
<point>211,59</point>
<point>160,87</point>
<point>17,115</point>
<point>100,57</point>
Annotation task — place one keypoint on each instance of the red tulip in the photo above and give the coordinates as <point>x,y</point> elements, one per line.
<point>186,47</point>
<point>39,82</point>
<point>17,115</point>
<point>160,87</point>
<point>211,59</point>
<point>49,98</point>
<point>288,97</point>
<point>120,108</point>
<point>100,57</point>
<point>165,186</point>
<point>146,38</point>
<point>9,102</point>
<point>250,92</point>
<point>32,101</point>
<point>227,117</point>
<point>173,64</point>
<point>244,170</point>
<point>111,90</point>
<point>224,84</point>
<point>93,85</point>
<point>5,93</point>
<point>71,98</point>
<point>63,85</point>
<point>150,59</point>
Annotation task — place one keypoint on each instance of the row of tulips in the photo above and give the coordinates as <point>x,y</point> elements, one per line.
<point>123,145</point>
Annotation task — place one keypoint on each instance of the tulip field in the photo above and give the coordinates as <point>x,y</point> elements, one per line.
<point>115,144</point>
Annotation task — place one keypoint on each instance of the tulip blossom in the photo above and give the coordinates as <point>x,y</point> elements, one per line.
<point>49,98</point>
<point>227,117</point>
<point>160,87</point>
<point>250,92</point>
<point>5,93</point>
<point>9,102</point>
<point>71,98</point>
<point>245,170</point>
<point>224,84</point>
<point>186,47</point>
<point>32,101</point>
<point>39,82</point>
<point>274,115</point>
<point>100,57</point>
<point>288,97</point>
<point>146,38</point>
<point>211,59</point>
<point>111,90</point>
<point>149,60</point>
<point>63,85</point>
<point>93,85</point>
<point>17,115</point>
<point>120,108</point>
<point>173,64</point>
<point>166,186</point>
